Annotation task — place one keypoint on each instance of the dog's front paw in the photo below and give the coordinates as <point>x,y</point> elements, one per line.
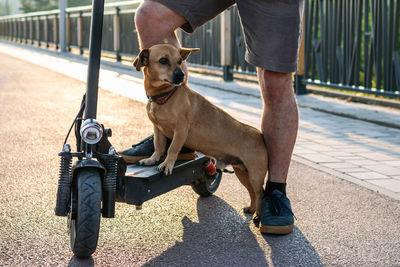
<point>167,166</point>
<point>147,162</point>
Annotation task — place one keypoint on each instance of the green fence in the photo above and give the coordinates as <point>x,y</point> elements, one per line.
<point>353,45</point>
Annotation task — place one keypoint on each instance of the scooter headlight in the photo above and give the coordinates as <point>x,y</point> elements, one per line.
<point>91,131</point>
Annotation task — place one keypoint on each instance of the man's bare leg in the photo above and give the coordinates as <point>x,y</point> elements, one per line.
<point>279,122</point>
<point>279,126</point>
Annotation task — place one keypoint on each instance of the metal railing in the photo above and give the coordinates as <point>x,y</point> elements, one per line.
<point>353,45</point>
<point>348,44</point>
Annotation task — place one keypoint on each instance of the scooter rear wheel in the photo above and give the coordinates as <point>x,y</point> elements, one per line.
<point>84,220</point>
<point>207,185</point>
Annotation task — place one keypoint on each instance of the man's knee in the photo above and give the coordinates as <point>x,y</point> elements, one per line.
<point>153,15</point>
<point>145,15</point>
<point>275,85</point>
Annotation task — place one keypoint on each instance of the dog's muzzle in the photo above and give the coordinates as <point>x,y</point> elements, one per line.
<point>177,76</point>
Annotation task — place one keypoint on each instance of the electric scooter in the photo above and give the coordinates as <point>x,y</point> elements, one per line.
<point>92,179</point>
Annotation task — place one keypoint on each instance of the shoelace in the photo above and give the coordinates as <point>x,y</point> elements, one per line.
<point>278,203</point>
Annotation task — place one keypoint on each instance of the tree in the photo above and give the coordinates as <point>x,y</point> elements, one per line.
<point>41,5</point>
<point>3,11</point>
<point>38,5</point>
<point>73,3</point>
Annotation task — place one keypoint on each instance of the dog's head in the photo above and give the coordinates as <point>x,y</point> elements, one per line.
<point>162,63</point>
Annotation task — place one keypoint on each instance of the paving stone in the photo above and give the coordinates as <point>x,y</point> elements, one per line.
<point>302,150</point>
<point>389,184</point>
<point>350,170</point>
<point>319,158</point>
<point>384,169</point>
<point>321,148</point>
<point>350,158</point>
<point>340,154</point>
<point>362,162</point>
<point>377,156</point>
<point>333,142</point>
<point>339,165</point>
<point>368,175</point>
<point>354,149</point>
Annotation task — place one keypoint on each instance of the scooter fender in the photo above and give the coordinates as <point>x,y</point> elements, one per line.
<point>88,163</point>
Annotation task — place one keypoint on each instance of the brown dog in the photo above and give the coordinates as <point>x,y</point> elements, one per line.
<point>187,118</point>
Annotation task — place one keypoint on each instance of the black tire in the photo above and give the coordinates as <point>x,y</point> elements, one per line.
<point>207,186</point>
<point>86,213</point>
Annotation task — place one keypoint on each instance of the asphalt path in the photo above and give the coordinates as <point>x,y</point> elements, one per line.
<point>338,223</point>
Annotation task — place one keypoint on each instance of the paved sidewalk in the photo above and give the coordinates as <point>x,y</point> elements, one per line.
<point>347,146</point>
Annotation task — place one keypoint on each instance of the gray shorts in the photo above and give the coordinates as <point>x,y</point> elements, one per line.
<point>272,28</point>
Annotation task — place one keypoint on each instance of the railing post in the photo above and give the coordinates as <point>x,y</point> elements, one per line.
<point>10,30</point>
<point>55,32</point>
<point>79,33</point>
<point>46,33</point>
<point>117,34</point>
<point>19,30</point>
<point>25,31</point>
<point>15,26</point>
<point>31,30</point>
<point>226,53</point>
<point>300,87</point>
<point>67,32</point>
<point>38,29</point>
<point>63,31</point>
<point>14,30</point>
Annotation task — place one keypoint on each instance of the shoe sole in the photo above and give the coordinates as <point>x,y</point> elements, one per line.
<point>134,159</point>
<point>276,230</point>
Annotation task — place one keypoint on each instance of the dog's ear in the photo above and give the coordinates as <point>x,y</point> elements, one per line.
<point>142,59</point>
<point>185,52</point>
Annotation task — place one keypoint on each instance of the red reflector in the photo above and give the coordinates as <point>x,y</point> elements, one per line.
<point>210,169</point>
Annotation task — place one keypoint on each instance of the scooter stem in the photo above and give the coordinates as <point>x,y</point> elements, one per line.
<point>96,30</point>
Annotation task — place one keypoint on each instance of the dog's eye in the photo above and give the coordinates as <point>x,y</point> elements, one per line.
<point>164,60</point>
<point>180,61</point>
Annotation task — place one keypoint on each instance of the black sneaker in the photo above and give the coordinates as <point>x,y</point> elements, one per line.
<point>277,215</point>
<point>145,148</point>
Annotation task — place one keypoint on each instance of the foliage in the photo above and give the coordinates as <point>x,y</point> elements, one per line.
<point>2,9</point>
<point>73,3</point>
<point>41,5</point>
<point>38,5</point>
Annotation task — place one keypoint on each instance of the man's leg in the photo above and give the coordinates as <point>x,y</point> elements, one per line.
<point>279,121</point>
<point>279,125</point>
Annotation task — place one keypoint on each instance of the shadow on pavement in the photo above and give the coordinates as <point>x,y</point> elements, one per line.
<point>222,237</point>
<point>292,250</point>
<point>76,262</point>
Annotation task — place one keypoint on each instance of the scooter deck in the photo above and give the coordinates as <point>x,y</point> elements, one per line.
<point>142,183</point>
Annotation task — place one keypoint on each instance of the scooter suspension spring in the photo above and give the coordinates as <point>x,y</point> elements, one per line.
<point>64,184</point>
<point>110,180</point>
<point>109,186</point>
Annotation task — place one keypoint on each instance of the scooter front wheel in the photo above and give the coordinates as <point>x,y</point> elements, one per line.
<point>84,217</point>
